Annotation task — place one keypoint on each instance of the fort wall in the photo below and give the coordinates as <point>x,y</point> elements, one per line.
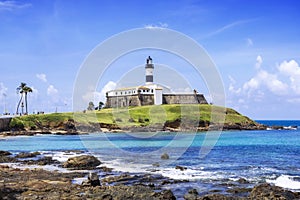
<point>184,99</point>
<point>148,99</point>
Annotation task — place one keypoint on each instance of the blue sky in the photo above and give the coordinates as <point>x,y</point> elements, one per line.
<point>255,45</point>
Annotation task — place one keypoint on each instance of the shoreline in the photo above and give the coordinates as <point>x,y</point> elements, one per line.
<point>39,183</point>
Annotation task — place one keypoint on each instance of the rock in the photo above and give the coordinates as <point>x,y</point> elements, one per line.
<point>168,195</point>
<point>164,156</point>
<point>27,154</point>
<point>94,179</point>
<point>180,168</point>
<point>219,197</point>
<point>82,162</point>
<point>155,164</point>
<point>191,195</point>
<point>267,191</point>
<point>4,153</point>
<point>242,181</point>
<point>42,161</point>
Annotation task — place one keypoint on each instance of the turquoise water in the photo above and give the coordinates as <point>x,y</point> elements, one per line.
<point>258,156</point>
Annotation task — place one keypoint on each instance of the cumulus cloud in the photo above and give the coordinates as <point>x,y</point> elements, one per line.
<point>265,79</point>
<point>259,61</point>
<point>42,77</point>
<point>284,83</point>
<point>96,96</point>
<point>12,5</point>
<point>51,90</point>
<point>232,86</point>
<point>291,69</point>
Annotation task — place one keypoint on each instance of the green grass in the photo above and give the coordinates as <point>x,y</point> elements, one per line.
<point>137,116</point>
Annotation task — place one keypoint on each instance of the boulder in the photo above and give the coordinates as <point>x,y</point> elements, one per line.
<point>94,179</point>
<point>4,153</point>
<point>27,154</point>
<point>82,162</point>
<point>180,168</point>
<point>165,156</point>
<point>267,191</point>
<point>168,195</point>
<point>191,195</point>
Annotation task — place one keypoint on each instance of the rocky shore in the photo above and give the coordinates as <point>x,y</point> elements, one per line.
<point>37,183</point>
<point>72,128</point>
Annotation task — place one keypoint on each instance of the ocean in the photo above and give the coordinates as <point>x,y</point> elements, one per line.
<point>213,161</point>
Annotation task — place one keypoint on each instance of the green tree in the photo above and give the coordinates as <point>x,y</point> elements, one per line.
<point>91,106</point>
<point>23,89</point>
<point>101,104</point>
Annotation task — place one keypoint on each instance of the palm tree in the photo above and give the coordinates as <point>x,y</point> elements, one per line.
<point>23,89</point>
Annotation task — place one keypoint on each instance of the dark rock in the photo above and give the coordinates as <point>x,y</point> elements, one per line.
<point>82,162</point>
<point>267,191</point>
<point>155,164</point>
<point>105,169</point>
<point>239,190</point>
<point>168,195</point>
<point>94,179</point>
<point>242,181</point>
<point>191,195</point>
<point>27,154</point>
<point>180,168</point>
<point>42,161</point>
<point>4,153</point>
<point>164,156</point>
<point>219,197</point>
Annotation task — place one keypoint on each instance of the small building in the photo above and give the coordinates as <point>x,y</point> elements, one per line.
<point>149,94</point>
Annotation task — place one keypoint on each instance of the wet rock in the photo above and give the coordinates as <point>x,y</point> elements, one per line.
<point>242,181</point>
<point>42,161</point>
<point>191,195</point>
<point>27,154</point>
<point>5,157</point>
<point>168,195</point>
<point>218,197</point>
<point>180,168</point>
<point>4,153</point>
<point>94,179</point>
<point>267,191</point>
<point>165,156</point>
<point>155,164</point>
<point>82,162</point>
<point>239,190</point>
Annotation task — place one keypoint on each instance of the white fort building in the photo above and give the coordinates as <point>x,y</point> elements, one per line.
<point>149,94</point>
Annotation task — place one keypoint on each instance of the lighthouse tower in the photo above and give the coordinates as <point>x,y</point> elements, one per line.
<point>149,71</point>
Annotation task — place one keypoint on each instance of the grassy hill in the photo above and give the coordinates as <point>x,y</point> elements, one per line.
<point>165,117</point>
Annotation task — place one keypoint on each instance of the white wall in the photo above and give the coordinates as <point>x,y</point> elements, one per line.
<point>157,97</point>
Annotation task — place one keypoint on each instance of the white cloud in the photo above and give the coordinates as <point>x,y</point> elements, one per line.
<point>3,91</point>
<point>156,26</point>
<point>12,5</point>
<point>232,87</point>
<point>42,77</point>
<point>265,79</point>
<point>229,26</point>
<point>249,42</point>
<point>99,96</point>
<point>259,61</point>
<point>51,90</point>
<point>291,69</point>
<point>109,86</point>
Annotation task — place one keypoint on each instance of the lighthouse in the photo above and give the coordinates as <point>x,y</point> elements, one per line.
<point>149,71</point>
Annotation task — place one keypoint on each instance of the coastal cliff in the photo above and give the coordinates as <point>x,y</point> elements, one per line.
<point>185,118</point>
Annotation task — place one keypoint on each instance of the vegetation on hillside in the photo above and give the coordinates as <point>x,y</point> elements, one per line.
<point>136,117</point>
